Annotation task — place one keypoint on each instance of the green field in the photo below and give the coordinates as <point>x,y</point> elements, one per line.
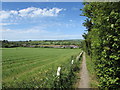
<point>27,67</point>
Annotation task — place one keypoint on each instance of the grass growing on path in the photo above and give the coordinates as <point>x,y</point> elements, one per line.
<point>92,72</point>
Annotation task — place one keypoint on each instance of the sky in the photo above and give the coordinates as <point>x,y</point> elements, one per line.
<point>44,0</point>
<point>41,21</point>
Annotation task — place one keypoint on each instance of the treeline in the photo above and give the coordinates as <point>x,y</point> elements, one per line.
<point>30,43</point>
<point>102,40</point>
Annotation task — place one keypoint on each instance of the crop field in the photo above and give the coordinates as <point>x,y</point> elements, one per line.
<point>29,67</point>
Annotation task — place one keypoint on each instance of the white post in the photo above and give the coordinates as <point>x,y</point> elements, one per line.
<point>81,53</point>
<point>58,71</point>
<point>77,58</point>
<point>72,61</point>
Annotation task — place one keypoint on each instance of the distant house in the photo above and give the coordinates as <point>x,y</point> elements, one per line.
<point>74,46</point>
<point>53,46</point>
<point>24,45</point>
<point>69,46</point>
<point>31,46</point>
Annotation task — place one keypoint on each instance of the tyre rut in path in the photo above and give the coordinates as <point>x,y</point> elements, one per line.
<point>84,76</point>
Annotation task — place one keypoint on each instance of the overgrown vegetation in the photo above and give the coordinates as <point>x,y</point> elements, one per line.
<point>102,42</point>
<point>68,75</point>
<point>92,73</point>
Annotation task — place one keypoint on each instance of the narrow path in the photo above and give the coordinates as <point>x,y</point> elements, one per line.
<point>84,76</point>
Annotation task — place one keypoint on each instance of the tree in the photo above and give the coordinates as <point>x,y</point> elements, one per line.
<point>102,41</point>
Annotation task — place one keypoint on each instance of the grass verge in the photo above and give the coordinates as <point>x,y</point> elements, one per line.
<point>77,74</point>
<point>90,66</point>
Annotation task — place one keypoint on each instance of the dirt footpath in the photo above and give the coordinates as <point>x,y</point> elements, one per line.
<point>84,76</point>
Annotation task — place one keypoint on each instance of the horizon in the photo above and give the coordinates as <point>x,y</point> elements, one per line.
<point>44,40</point>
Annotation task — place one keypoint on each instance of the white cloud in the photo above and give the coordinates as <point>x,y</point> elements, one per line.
<point>3,24</point>
<point>35,33</point>
<point>13,12</point>
<point>63,36</point>
<point>32,30</point>
<point>4,14</point>
<point>57,37</point>
<point>30,12</point>
<point>5,30</point>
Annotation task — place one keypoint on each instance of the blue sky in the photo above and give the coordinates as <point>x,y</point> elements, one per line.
<point>42,20</point>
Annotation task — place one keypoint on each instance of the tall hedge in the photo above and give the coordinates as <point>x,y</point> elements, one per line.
<point>102,42</point>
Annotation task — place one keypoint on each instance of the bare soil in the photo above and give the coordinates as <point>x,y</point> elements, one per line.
<point>84,76</point>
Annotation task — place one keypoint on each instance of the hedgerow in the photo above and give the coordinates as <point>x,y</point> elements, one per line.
<point>102,41</point>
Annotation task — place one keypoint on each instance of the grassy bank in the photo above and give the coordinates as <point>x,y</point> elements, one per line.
<point>92,72</point>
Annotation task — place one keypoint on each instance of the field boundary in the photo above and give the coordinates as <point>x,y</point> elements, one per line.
<point>74,65</point>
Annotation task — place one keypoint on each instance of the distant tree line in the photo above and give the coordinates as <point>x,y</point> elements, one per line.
<point>30,43</point>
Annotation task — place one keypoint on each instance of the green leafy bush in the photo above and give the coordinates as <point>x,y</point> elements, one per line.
<point>102,42</point>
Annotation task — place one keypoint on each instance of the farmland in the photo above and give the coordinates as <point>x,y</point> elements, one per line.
<point>29,67</point>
